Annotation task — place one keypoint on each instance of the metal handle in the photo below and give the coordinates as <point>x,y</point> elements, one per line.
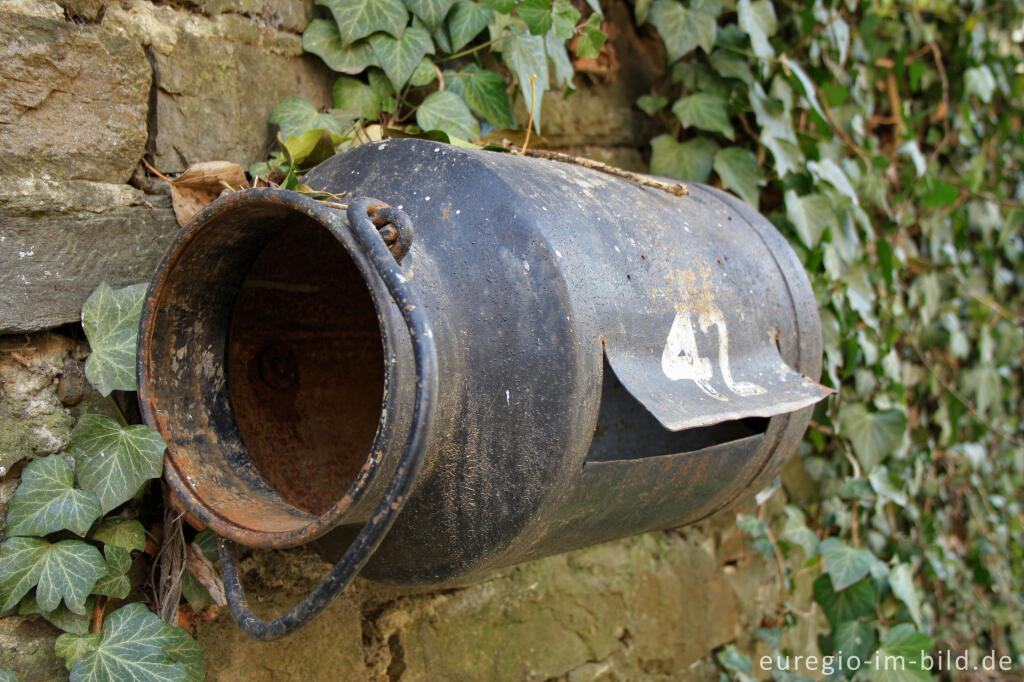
<point>373,532</point>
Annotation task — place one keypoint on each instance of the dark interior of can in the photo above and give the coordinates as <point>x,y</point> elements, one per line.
<point>263,368</point>
<point>305,366</point>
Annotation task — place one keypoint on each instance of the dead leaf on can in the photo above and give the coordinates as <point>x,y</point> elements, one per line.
<point>201,184</point>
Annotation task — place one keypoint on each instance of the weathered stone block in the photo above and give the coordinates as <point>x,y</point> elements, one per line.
<point>26,649</point>
<point>218,80</point>
<point>58,241</point>
<point>74,102</point>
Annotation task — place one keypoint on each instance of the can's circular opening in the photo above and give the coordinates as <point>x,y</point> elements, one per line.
<point>305,366</point>
<point>261,362</point>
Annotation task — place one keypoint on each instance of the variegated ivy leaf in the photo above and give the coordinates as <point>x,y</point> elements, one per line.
<point>466,22</point>
<point>485,93</point>
<point>430,12</point>
<point>740,172</point>
<point>121,532</point>
<point>74,645</point>
<point>110,318</point>
<point>295,116</point>
<point>690,160</point>
<point>46,500</point>
<point>134,645</point>
<point>359,18</point>
<point>61,617</point>
<point>114,582</point>
<point>705,111</point>
<point>757,20</point>
<point>399,57</point>
<point>321,38</point>
<point>526,56</point>
<point>65,570</point>
<point>683,28</point>
<point>114,461</point>
<point>446,111</point>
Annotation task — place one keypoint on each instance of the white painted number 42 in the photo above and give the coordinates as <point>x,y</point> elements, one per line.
<point>681,359</point>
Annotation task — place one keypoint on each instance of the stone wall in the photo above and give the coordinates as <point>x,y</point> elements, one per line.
<point>90,87</point>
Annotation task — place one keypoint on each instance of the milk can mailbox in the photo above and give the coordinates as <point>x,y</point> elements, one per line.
<point>493,359</point>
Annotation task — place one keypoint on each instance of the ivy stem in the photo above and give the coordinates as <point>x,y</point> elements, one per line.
<point>117,408</point>
<point>474,49</point>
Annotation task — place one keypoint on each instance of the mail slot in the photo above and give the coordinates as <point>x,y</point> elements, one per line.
<point>492,359</point>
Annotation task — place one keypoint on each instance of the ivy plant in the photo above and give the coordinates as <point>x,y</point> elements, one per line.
<point>65,544</point>
<point>450,66</point>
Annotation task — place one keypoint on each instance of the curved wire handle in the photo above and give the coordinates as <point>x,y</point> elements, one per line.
<point>373,532</point>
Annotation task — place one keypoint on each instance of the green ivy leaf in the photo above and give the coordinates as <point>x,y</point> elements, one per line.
<point>978,80</point>
<point>564,18</point>
<point>114,461</point>
<point>121,532</point>
<point>845,565</point>
<point>526,56</point>
<point>207,542</point>
<point>705,111</point>
<point>856,601</point>
<point>901,582</point>
<point>691,160</point>
<point>359,18</point>
<point>46,500</point>
<point>682,29</point>
<point>854,640</point>
<point>321,38</point>
<point>757,20</point>
<point>72,646</point>
<point>134,645</point>
<point>805,82</point>
<point>186,651</point>
<point>466,22</point>
<point>110,318</point>
<point>559,56</point>
<point>446,111</point>
<point>7,676</point>
<point>882,483</point>
<point>423,74</point>
<point>811,215</point>
<point>731,65</point>
<point>65,570</point>
<point>61,617</point>
<point>356,97</point>
<point>900,657</point>
<point>399,57</point>
<point>873,435</point>
<point>295,116</point>
<point>486,94</point>
<point>536,14</point>
<point>652,104</point>
<point>114,583</point>
<point>197,596</point>
<point>503,6</point>
<point>430,12</point>
<point>591,39</point>
<point>795,530</point>
<point>740,172</point>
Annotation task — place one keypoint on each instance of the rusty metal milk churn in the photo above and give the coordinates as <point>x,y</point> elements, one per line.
<point>494,359</point>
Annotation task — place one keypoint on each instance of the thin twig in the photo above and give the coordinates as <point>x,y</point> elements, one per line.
<point>155,172</point>
<point>677,189</point>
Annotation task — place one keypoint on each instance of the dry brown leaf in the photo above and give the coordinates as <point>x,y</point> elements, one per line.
<point>203,571</point>
<point>201,184</point>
